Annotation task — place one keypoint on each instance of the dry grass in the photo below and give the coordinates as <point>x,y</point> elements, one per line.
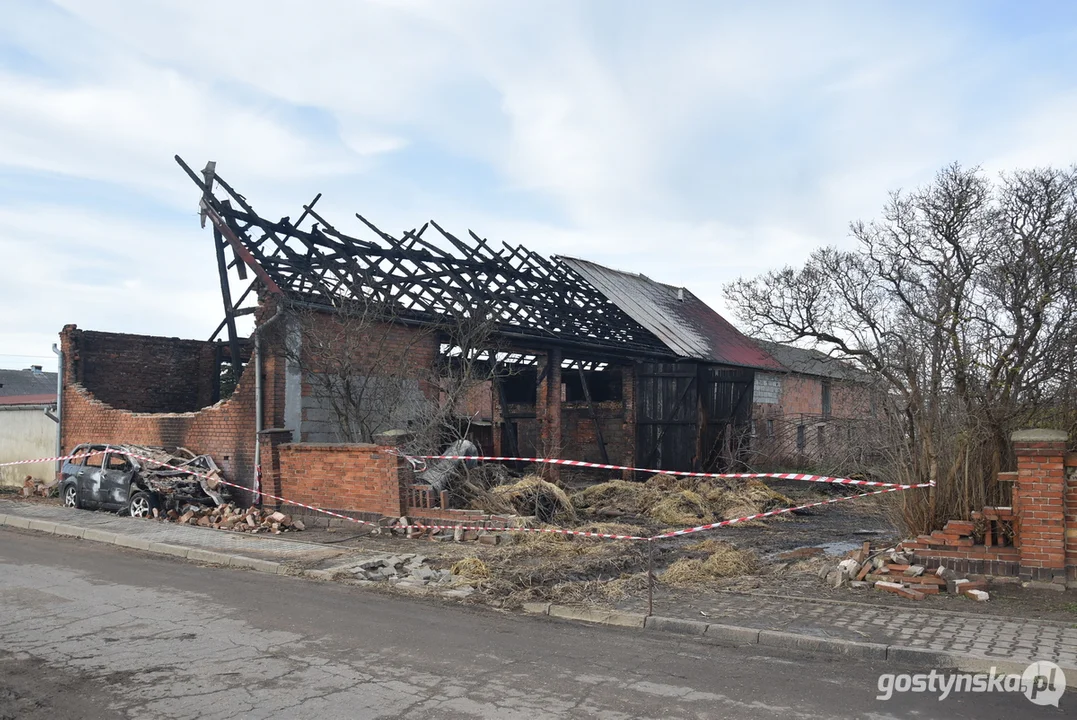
<point>628,497</point>
<point>529,496</point>
<point>676,501</point>
<point>471,568</point>
<point>683,507</point>
<point>724,561</point>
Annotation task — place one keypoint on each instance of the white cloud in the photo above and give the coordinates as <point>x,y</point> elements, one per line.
<point>692,142</point>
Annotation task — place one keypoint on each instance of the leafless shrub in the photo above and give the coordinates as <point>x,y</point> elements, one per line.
<point>960,301</point>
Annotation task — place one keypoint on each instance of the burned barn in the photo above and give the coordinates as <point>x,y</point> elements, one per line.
<point>356,333</point>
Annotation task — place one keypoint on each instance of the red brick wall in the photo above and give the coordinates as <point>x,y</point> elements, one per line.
<point>801,403</point>
<point>1040,503</point>
<point>141,372</point>
<point>341,346</point>
<point>580,439</point>
<point>356,478</point>
<point>225,431</point>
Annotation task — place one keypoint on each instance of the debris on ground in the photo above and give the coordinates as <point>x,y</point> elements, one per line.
<point>401,569</point>
<point>230,517</point>
<point>440,474</point>
<point>471,568</point>
<point>892,571</point>
<point>177,476</point>
<point>36,488</point>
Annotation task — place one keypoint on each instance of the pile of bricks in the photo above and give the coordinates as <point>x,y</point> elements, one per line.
<point>893,571</point>
<point>229,517</point>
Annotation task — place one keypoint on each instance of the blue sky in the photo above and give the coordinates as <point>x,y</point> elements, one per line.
<point>690,141</point>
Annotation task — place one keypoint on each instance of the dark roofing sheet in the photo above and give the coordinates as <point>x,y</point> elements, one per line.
<point>27,382</point>
<point>813,362</point>
<point>683,322</point>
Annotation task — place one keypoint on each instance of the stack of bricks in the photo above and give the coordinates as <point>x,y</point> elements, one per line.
<point>955,547</point>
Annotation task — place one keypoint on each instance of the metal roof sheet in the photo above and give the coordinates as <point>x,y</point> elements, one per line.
<point>684,323</point>
<point>27,382</point>
<point>813,362</point>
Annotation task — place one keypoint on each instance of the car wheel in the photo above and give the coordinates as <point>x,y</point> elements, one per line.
<point>71,496</point>
<point>140,505</point>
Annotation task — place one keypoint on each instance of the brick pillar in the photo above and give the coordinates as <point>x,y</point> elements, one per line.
<point>1039,503</point>
<point>401,475</point>
<point>269,442</point>
<point>548,409</point>
<point>1071,519</point>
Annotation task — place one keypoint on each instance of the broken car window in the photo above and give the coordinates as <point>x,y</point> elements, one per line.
<point>117,462</point>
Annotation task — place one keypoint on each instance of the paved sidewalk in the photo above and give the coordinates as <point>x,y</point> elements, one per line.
<point>962,634</point>
<point>258,552</point>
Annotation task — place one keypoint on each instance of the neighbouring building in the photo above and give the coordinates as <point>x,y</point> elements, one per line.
<point>27,424</point>
<point>818,409</point>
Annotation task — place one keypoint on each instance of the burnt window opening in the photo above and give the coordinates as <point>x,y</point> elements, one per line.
<point>820,436</point>
<point>605,385</point>
<point>227,379</point>
<point>826,398</point>
<point>800,437</point>
<point>770,428</point>
<point>521,386</point>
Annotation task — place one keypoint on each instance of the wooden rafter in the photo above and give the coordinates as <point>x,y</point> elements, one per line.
<point>528,295</point>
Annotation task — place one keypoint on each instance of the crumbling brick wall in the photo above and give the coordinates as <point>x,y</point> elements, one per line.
<point>143,373</point>
<point>225,431</point>
<point>579,436</point>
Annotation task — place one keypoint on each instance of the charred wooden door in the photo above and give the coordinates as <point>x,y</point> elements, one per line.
<point>667,415</point>
<point>727,416</point>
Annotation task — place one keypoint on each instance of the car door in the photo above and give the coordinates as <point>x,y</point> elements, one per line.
<point>116,480</point>
<point>90,477</point>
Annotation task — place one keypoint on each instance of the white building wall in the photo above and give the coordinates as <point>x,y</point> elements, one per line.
<point>26,433</point>
<point>768,389</point>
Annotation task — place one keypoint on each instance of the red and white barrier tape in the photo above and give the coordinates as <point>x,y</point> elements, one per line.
<point>603,466</point>
<point>216,478</point>
<point>772,513</point>
<point>559,531</point>
<point>51,459</point>
<point>582,533</point>
<point>889,487</point>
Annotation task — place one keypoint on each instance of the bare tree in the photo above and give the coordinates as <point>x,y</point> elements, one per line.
<point>368,369</point>
<point>961,299</point>
<point>359,364</point>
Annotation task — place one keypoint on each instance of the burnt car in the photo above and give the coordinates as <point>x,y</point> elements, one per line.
<point>134,479</point>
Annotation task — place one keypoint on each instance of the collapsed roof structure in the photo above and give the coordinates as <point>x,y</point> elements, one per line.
<point>691,372</point>
<point>552,301</point>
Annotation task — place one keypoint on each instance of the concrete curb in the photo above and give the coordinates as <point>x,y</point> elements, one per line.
<point>192,554</point>
<point>733,635</point>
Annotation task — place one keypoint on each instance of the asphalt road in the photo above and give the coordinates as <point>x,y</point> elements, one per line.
<point>90,631</point>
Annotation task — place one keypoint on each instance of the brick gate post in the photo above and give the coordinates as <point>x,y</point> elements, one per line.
<point>1039,503</point>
